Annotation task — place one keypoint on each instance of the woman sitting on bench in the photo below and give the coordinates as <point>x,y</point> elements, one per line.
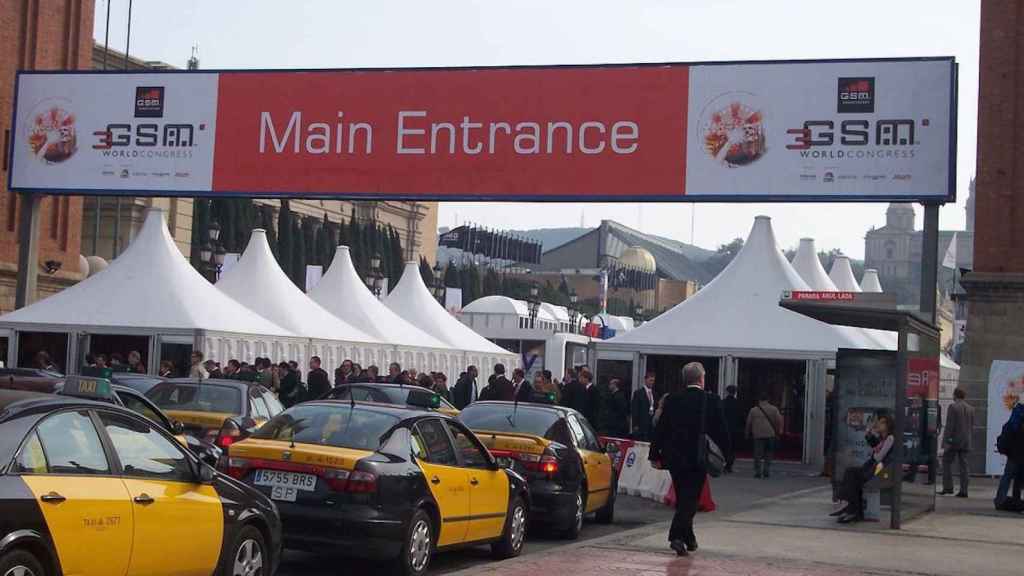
<point>852,488</point>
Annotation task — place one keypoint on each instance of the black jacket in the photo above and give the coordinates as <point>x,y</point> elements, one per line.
<point>525,392</point>
<point>462,393</point>
<point>677,434</point>
<point>616,414</point>
<point>318,384</point>
<point>586,401</point>
<point>500,388</point>
<point>641,408</point>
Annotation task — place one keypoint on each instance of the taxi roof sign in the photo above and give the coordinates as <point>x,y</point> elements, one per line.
<point>88,387</point>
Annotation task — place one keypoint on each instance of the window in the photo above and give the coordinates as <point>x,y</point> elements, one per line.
<point>144,452</point>
<point>197,397</point>
<point>137,405</point>
<point>589,437</point>
<point>273,404</point>
<point>71,445</point>
<point>577,431</point>
<point>356,428</point>
<point>31,459</point>
<point>472,455</point>
<point>438,444</point>
<point>259,407</point>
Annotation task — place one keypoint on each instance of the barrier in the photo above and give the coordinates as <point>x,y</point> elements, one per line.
<point>634,465</point>
<point>624,445</point>
<point>655,485</point>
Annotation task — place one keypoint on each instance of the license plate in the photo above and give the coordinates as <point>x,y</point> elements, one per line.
<point>292,481</point>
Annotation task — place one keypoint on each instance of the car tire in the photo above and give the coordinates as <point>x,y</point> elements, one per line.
<point>21,563</point>
<point>414,560</point>
<point>514,535</point>
<point>576,519</point>
<point>247,555</point>
<point>606,515</point>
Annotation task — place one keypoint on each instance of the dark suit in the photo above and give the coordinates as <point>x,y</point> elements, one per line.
<point>584,400</point>
<point>464,392</point>
<point>676,445</point>
<point>731,411</point>
<point>318,384</point>
<point>616,414</point>
<point>642,412</point>
<point>500,388</point>
<point>525,393</point>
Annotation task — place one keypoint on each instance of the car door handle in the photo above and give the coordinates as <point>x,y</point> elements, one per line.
<point>474,481</point>
<point>144,499</point>
<point>52,498</point>
<point>435,480</point>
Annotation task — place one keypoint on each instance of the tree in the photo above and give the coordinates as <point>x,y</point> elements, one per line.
<point>426,272</point>
<point>266,219</point>
<point>451,276</point>
<point>285,238</point>
<point>355,243</point>
<point>723,256</point>
<point>298,268</point>
<point>397,259</point>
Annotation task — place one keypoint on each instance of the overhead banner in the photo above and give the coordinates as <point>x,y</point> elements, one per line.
<point>871,130</point>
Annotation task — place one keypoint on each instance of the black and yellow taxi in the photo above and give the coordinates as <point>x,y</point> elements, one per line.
<point>90,488</point>
<point>568,469</point>
<point>382,481</point>
<point>219,411</point>
<point>380,393</point>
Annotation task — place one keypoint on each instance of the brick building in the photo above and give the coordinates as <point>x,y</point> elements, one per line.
<point>40,34</point>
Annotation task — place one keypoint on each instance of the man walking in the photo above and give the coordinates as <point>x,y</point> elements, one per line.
<point>1011,444</point>
<point>466,389</point>
<point>643,409</point>
<point>688,414</point>
<point>764,421</point>
<point>957,441</point>
<point>317,382</point>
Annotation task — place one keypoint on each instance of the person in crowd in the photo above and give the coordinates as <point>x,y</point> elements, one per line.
<point>358,374</point>
<point>230,370</point>
<point>196,370</point>
<point>117,362</point>
<point>213,369</point>
<point>90,361</point>
<point>246,372</point>
<point>413,374</point>
<point>688,414</point>
<point>582,396</point>
<point>343,373</point>
<point>616,410</point>
<point>101,361</point>
<point>424,381</point>
<point>441,386</point>
<point>292,391</point>
<point>135,363</point>
<point>43,361</point>
<point>956,439</point>
<point>498,387</point>
<point>317,382</point>
<point>764,423</point>
<point>522,390</point>
<point>466,389</point>
<point>544,389</point>
<point>1011,444</point>
<point>735,423</point>
<point>851,489</point>
<point>372,373</point>
<point>294,367</point>
<point>394,373</point>
<point>643,409</point>
<point>166,369</point>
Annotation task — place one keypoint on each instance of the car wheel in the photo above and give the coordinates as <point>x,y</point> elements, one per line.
<point>20,563</point>
<point>247,556</point>
<point>576,521</point>
<point>606,515</point>
<point>512,539</point>
<point>419,546</point>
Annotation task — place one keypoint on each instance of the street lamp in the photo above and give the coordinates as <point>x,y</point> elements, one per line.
<point>375,281</point>
<point>574,312</point>
<point>534,303</point>
<point>638,314</point>
<point>439,288</point>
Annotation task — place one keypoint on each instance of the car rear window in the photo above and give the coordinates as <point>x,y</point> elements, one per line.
<point>197,397</point>
<point>500,418</point>
<point>340,426</point>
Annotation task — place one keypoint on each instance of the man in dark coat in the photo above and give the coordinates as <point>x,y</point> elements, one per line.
<point>522,390</point>
<point>317,382</point>
<point>498,387</point>
<point>466,390</point>
<point>343,373</point>
<point>643,409</point>
<point>616,412</point>
<point>676,446</point>
<point>735,423</point>
<point>582,396</point>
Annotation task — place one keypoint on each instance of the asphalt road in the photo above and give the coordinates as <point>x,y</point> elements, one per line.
<point>732,494</point>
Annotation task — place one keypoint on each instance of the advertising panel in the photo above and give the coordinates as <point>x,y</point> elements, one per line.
<point>865,388</point>
<point>868,130</point>
<point>1005,390</point>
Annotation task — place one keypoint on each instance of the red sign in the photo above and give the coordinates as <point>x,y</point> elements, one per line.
<point>923,377</point>
<point>823,296</point>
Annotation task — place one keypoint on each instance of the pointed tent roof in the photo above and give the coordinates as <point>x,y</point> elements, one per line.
<point>842,275</point>
<point>150,286</point>
<point>259,283</point>
<point>739,310</point>
<point>808,266</point>
<point>343,294</point>
<point>870,283</point>
<point>412,301</point>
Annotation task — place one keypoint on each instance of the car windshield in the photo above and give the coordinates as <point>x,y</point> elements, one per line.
<point>507,418</point>
<point>338,425</point>
<point>195,397</point>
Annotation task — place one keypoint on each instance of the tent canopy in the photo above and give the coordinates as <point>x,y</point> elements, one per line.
<point>412,301</point>
<point>870,282</point>
<point>739,312</point>
<point>497,304</point>
<point>259,283</point>
<point>842,275</point>
<point>344,295</point>
<point>808,266</point>
<point>149,287</point>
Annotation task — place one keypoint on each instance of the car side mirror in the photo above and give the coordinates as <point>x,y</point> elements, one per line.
<point>206,473</point>
<point>504,462</point>
<point>177,428</point>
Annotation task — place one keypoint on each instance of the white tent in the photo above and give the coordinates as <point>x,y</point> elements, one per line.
<point>870,283</point>
<point>411,300</point>
<point>620,324</point>
<point>738,313</point>
<point>343,294</point>
<point>259,283</point>
<point>842,275</point>
<point>808,266</point>
<point>151,290</point>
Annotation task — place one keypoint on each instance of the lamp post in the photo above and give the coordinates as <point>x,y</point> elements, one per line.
<point>534,304</point>
<point>574,312</point>
<point>375,280</point>
<point>212,252</point>
<point>438,289</point>
<point>638,314</point>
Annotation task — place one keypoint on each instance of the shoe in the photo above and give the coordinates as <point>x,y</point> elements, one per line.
<point>961,494</point>
<point>945,493</point>
<point>680,547</point>
<point>842,511</point>
<point>691,545</point>
<point>848,518</point>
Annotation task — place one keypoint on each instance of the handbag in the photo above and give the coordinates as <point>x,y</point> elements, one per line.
<point>708,452</point>
<point>771,441</point>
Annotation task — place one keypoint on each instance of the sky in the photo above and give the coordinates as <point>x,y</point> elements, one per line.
<point>391,33</point>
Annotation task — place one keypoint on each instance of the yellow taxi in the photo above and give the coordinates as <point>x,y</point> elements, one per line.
<point>94,489</point>
<point>398,394</point>
<point>569,471</point>
<point>382,481</point>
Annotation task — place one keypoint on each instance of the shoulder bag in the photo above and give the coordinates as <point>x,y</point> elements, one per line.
<point>708,452</point>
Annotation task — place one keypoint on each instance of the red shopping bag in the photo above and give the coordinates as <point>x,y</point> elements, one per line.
<point>706,503</point>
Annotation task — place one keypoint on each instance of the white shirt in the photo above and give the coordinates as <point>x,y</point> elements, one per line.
<point>650,398</point>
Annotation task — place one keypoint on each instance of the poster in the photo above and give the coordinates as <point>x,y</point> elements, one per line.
<point>758,131</point>
<point>865,388</point>
<point>1005,389</point>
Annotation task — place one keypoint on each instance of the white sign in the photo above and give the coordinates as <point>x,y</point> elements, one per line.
<point>1005,389</point>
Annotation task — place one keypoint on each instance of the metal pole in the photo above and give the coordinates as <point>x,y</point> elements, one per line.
<point>929,262</point>
<point>106,39</point>
<point>96,200</point>
<point>28,250</point>
<point>128,39</point>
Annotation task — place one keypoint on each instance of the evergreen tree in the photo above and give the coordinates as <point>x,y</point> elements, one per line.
<point>355,243</point>
<point>397,257</point>
<point>266,214</point>
<point>426,273</point>
<point>298,268</point>
<point>491,283</point>
<point>343,237</point>
<point>309,252</point>
<point>451,276</point>
<point>285,238</point>
<point>200,234</point>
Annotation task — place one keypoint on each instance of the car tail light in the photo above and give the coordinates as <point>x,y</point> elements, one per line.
<point>336,479</point>
<point>546,463</point>
<point>360,482</point>
<point>237,467</point>
<point>228,435</point>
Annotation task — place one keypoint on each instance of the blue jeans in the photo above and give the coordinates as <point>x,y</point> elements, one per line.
<point>1012,473</point>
